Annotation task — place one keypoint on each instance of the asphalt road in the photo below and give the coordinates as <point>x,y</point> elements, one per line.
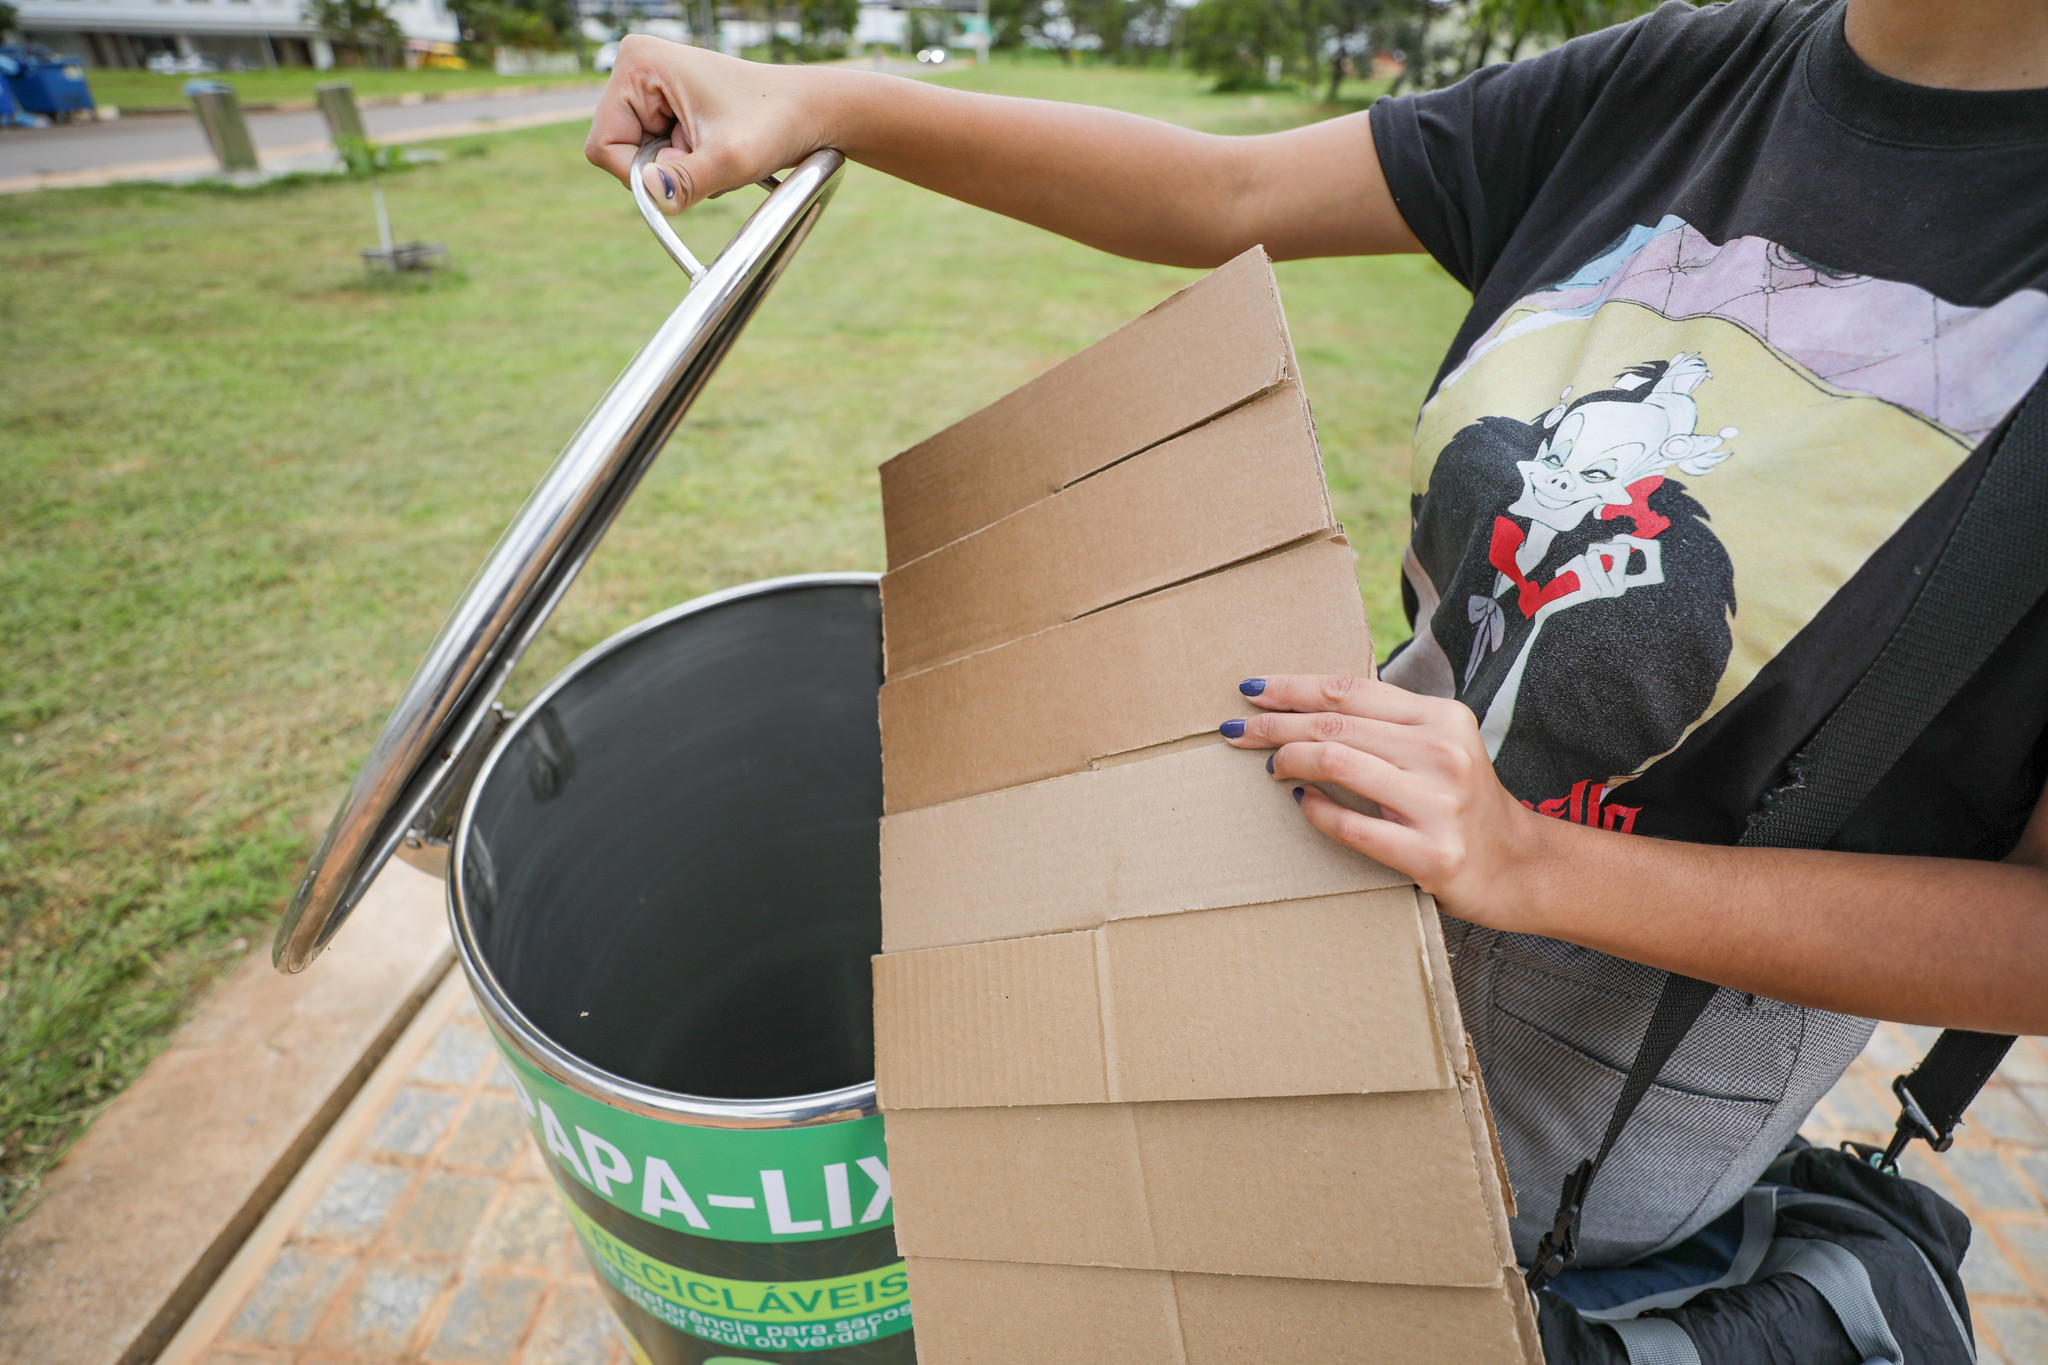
<point>173,144</point>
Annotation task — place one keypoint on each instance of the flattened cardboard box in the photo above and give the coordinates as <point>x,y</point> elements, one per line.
<point>1297,611</point>
<point>1379,1188</point>
<point>1049,1116</point>
<point>1164,516</point>
<point>1344,1180</point>
<point>1329,996</point>
<point>1214,345</point>
<point>994,1313</point>
<point>1199,829</point>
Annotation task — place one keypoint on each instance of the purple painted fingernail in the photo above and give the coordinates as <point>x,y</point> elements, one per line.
<point>1269,761</point>
<point>1251,687</point>
<point>1298,793</point>
<point>1232,729</point>
<point>668,186</point>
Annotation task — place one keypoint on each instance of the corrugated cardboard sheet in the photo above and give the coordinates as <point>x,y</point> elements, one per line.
<point>1169,1077</point>
<point>1328,996</point>
<point>988,1313</point>
<point>1210,347</point>
<point>1295,612</point>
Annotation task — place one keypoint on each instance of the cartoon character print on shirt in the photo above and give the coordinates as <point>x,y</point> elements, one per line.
<point>1593,542</point>
<point>1575,561</point>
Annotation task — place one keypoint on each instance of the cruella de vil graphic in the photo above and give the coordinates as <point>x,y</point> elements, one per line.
<point>1569,589</point>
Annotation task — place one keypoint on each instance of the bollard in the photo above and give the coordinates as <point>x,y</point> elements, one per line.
<point>338,106</point>
<point>220,114</point>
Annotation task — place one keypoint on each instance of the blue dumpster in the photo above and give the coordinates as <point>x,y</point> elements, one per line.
<point>10,112</point>
<point>44,83</point>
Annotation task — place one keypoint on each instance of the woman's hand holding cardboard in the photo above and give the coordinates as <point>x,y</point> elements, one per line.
<point>1443,817</point>
<point>1814,927</point>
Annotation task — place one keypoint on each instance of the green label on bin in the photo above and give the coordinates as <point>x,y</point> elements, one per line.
<point>735,1184</point>
<point>799,1315</point>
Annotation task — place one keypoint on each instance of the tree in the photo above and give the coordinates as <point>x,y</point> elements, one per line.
<point>827,25</point>
<point>1008,22</point>
<point>1236,40</point>
<point>10,18</point>
<point>1522,20</point>
<point>516,23</point>
<point>1050,23</point>
<point>365,24</point>
<point>1120,30</point>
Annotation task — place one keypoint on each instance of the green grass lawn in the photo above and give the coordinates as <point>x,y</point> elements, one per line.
<point>143,90</point>
<point>242,486</point>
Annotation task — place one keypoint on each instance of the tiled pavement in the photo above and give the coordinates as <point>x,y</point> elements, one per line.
<point>431,1233</point>
<point>426,1229</point>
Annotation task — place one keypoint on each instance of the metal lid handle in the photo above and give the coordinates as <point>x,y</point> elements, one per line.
<point>657,221</point>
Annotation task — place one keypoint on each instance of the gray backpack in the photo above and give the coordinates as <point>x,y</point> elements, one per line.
<point>1823,1242</point>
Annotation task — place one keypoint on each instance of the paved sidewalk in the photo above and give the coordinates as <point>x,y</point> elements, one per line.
<point>425,1229</point>
<point>1997,1172</point>
<point>79,155</point>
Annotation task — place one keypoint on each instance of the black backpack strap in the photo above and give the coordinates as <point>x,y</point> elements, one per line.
<point>1679,1004</point>
<point>1991,572</point>
<point>1934,1095</point>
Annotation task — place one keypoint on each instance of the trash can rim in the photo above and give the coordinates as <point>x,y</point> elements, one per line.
<point>542,1052</point>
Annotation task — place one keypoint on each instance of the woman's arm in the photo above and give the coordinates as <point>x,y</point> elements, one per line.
<point>1944,941</point>
<point>1126,184</point>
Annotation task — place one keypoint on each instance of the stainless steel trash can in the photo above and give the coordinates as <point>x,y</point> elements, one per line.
<point>663,882</point>
<point>338,106</point>
<point>219,112</point>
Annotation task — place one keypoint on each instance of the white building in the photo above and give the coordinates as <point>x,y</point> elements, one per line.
<point>248,33</point>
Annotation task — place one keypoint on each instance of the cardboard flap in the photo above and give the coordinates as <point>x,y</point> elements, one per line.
<point>987,1313</point>
<point>1175,512</point>
<point>1307,997</point>
<point>1215,344</point>
<point>1062,1183</point>
<point>1311,997</point>
<point>1197,830</point>
<point>1016,1022</point>
<point>978,724</point>
<point>993,1313</point>
<point>1229,1318</point>
<point>1378,1188</point>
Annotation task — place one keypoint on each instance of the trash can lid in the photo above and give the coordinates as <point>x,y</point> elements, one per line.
<point>411,787</point>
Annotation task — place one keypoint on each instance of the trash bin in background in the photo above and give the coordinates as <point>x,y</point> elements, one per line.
<point>338,106</point>
<point>664,884</point>
<point>220,113</point>
<point>11,112</point>
<point>44,83</point>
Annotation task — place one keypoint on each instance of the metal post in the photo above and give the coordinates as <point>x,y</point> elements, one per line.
<point>338,105</point>
<point>220,114</point>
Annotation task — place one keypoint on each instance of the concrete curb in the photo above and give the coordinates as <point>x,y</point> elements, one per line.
<point>407,100</point>
<point>241,1274</point>
<point>141,1218</point>
<point>301,156</point>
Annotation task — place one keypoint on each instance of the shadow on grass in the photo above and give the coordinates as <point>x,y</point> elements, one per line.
<point>404,283</point>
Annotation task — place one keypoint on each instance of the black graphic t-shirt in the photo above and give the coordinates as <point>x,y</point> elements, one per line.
<point>1744,312</point>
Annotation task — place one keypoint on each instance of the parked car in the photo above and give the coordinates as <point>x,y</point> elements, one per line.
<point>175,64</point>
<point>606,57</point>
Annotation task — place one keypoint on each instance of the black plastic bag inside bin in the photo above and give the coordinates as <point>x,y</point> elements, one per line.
<point>674,871</point>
